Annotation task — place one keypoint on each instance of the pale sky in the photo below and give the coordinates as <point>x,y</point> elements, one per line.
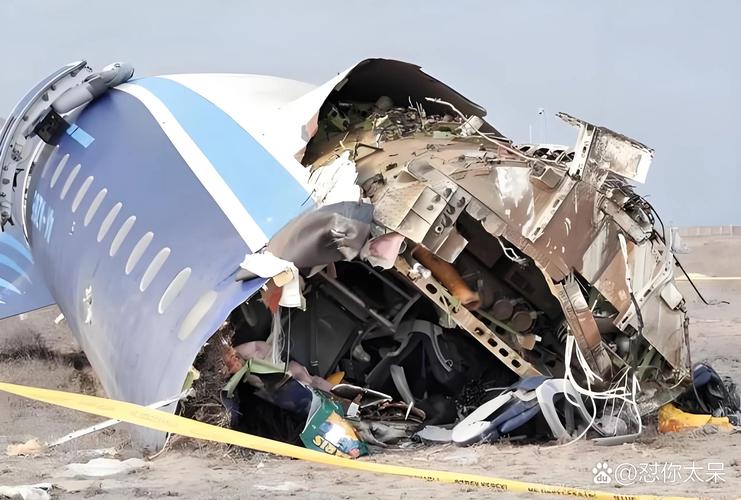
<point>666,73</point>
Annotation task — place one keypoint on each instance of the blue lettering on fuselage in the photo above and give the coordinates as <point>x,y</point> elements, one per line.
<point>42,216</point>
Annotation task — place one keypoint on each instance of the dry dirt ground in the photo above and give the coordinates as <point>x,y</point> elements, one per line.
<point>194,470</point>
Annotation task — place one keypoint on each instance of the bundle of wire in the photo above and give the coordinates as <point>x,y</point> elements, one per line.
<point>624,390</point>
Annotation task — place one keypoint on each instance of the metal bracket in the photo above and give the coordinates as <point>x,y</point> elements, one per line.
<point>436,292</point>
<point>600,147</point>
<point>582,324</point>
<point>21,122</point>
<point>598,150</point>
<point>41,113</point>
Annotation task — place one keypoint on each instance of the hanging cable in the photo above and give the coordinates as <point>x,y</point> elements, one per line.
<point>707,302</point>
<point>662,238</point>
<point>618,392</point>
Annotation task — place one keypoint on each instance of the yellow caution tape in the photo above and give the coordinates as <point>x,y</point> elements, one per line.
<point>163,421</point>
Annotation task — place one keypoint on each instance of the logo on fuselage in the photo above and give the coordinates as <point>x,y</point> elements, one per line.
<point>42,216</point>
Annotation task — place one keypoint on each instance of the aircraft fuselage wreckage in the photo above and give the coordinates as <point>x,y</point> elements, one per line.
<point>372,239</point>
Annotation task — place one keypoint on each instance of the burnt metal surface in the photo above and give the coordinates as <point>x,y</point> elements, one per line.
<point>557,210</point>
<point>469,256</point>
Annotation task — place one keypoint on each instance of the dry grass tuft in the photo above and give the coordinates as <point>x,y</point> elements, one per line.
<point>22,348</point>
<point>205,404</point>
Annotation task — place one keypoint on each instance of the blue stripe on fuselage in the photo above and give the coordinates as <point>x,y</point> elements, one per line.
<point>267,191</point>
<point>21,248</point>
<point>8,262</point>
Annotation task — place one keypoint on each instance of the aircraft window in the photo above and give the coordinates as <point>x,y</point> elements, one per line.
<point>46,165</point>
<point>196,314</point>
<point>173,289</point>
<point>59,169</point>
<point>81,193</point>
<point>121,235</point>
<point>154,268</point>
<point>94,206</point>
<point>108,221</point>
<point>139,249</point>
<point>68,183</point>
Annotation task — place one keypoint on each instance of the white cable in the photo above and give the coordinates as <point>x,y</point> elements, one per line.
<point>499,141</point>
<point>276,339</point>
<point>569,379</point>
<point>510,253</point>
<point>613,394</point>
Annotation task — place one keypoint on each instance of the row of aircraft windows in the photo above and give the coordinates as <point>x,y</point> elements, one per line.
<point>178,282</point>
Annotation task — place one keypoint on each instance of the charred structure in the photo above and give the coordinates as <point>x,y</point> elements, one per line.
<point>383,254</point>
<point>483,258</point>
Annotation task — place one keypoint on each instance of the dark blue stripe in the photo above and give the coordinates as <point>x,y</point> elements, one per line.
<point>8,262</point>
<point>19,247</point>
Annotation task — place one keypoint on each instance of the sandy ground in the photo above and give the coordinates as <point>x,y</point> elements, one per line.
<point>193,470</point>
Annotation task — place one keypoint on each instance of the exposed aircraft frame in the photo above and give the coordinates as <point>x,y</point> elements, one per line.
<point>151,210</point>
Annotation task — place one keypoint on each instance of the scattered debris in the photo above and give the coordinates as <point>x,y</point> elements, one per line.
<point>283,487</point>
<point>103,467</point>
<point>465,222</point>
<point>326,430</point>
<point>429,278</point>
<point>435,434</point>
<point>672,419</point>
<point>38,491</point>
<point>30,447</point>
<point>34,446</point>
<point>544,260</point>
<point>712,401</point>
<point>711,394</point>
<point>89,485</point>
<point>109,423</point>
